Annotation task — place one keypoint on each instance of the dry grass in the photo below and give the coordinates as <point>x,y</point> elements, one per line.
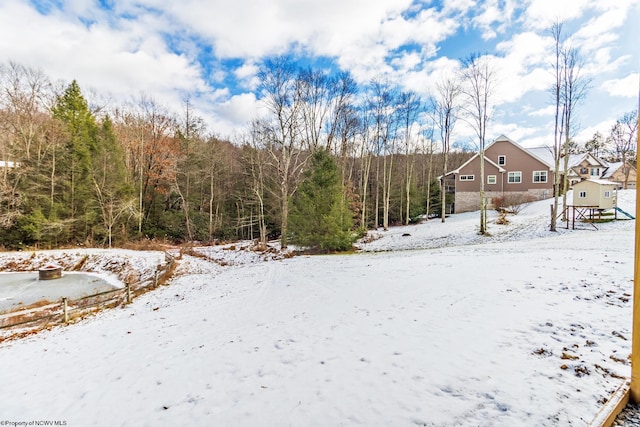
<point>21,307</point>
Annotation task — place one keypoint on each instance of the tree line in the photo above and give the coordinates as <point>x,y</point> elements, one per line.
<point>75,172</point>
<point>329,159</point>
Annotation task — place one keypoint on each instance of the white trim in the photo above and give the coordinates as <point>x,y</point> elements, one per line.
<point>515,173</point>
<point>495,179</point>
<point>542,173</point>
<point>486,159</point>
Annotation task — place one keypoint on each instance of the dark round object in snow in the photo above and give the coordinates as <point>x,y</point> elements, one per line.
<point>50,272</point>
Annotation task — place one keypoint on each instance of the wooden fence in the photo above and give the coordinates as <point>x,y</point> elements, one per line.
<point>65,311</point>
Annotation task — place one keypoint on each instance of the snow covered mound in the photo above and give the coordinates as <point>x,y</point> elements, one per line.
<point>241,253</point>
<point>127,265</point>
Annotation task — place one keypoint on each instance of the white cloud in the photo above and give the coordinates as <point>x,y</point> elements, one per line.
<point>600,32</point>
<point>523,66</point>
<point>494,14</point>
<point>459,5</point>
<point>522,135</point>
<point>253,28</point>
<point>247,74</point>
<point>235,112</point>
<point>546,111</point>
<point>154,46</point>
<point>118,61</point>
<point>541,14</point>
<point>603,127</point>
<point>625,87</point>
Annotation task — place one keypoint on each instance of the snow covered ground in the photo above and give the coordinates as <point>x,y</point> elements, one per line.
<point>429,325</point>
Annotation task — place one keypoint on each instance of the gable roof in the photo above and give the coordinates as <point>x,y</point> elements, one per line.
<point>536,154</point>
<point>546,154</point>
<point>500,168</point>
<point>613,167</point>
<point>486,159</point>
<point>593,160</point>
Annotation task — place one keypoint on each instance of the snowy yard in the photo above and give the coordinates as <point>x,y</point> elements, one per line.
<point>428,325</point>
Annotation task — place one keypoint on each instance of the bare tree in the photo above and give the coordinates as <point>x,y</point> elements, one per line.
<point>314,96</point>
<point>25,149</point>
<point>367,150</point>
<point>428,148</point>
<point>445,114</point>
<point>151,152</point>
<point>280,88</point>
<point>478,81</point>
<point>189,134</point>
<point>568,90</point>
<point>559,117</point>
<point>256,164</point>
<point>383,103</point>
<point>342,122</point>
<point>574,90</point>
<point>409,109</point>
<point>624,136</point>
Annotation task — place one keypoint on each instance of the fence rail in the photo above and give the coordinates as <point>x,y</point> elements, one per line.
<point>68,309</point>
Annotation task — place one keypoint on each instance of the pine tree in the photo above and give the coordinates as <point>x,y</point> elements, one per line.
<point>114,195</point>
<point>72,110</point>
<point>319,216</point>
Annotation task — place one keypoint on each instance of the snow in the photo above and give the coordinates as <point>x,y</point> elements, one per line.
<point>428,324</point>
<point>23,289</point>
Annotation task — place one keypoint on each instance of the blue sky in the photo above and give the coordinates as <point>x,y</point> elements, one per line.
<point>211,50</point>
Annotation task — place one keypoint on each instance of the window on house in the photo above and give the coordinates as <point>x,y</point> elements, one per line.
<point>502,160</point>
<point>539,176</point>
<point>584,171</point>
<point>582,195</point>
<point>491,179</point>
<point>595,172</point>
<point>607,194</point>
<point>514,177</point>
<point>467,177</point>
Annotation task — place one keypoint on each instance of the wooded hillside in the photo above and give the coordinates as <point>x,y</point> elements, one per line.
<point>77,172</point>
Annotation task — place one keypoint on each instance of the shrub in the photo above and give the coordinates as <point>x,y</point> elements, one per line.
<point>512,203</point>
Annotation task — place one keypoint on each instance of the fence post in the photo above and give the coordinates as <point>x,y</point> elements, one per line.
<point>128,293</point>
<point>65,310</point>
<point>155,279</point>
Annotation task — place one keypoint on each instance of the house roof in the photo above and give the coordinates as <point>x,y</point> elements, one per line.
<point>599,182</point>
<point>546,154</point>
<point>486,159</point>
<point>540,155</point>
<point>500,168</point>
<point>613,167</point>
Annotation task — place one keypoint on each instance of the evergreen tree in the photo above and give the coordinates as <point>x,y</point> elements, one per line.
<point>114,194</point>
<point>73,112</point>
<point>319,216</point>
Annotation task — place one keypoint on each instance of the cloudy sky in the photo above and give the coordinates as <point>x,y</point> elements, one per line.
<point>211,50</point>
